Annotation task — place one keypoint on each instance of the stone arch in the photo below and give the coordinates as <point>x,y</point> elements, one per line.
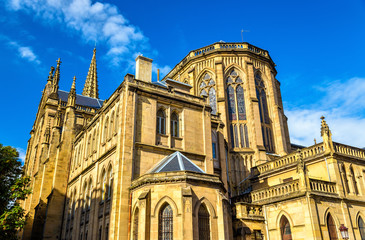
<point>329,210</point>
<point>209,206</point>
<point>283,213</point>
<point>232,66</point>
<point>358,215</point>
<point>161,202</point>
<point>201,75</point>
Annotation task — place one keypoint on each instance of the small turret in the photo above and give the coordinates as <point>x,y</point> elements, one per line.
<point>72,95</point>
<point>56,77</point>
<point>326,136</point>
<point>91,83</point>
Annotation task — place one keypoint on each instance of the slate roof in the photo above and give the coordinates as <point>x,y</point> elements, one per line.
<point>82,100</point>
<point>175,162</point>
<point>159,83</point>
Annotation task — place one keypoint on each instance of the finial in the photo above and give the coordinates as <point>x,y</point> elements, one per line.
<point>50,75</point>
<point>94,49</point>
<point>315,141</point>
<point>58,62</point>
<point>322,117</point>
<point>91,83</point>
<point>74,83</point>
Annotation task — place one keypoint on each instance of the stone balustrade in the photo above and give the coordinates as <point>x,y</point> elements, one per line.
<point>322,186</point>
<point>279,190</point>
<point>349,151</point>
<point>291,158</point>
<point>249,211</point>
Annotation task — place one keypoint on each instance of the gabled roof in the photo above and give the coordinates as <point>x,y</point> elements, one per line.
<point>175,162</point>
<point>82,100</point>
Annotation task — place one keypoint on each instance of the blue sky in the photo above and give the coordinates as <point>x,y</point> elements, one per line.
<point>318,47</point>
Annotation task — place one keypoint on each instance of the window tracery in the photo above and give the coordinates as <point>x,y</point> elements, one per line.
<point>264,113</point>
<point>237,110</point>
<point>204,223</point>
<point>165,223</point>
<point>207,89</point>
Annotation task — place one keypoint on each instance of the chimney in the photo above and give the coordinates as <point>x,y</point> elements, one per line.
<point>144,68</point>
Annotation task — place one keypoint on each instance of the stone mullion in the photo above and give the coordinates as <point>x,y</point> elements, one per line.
<point>253,115</point>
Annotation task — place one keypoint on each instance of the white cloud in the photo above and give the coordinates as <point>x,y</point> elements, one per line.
<point>96,21</point>
<point>22,153</point>
<point>24,52</point>
<point>343,105</point>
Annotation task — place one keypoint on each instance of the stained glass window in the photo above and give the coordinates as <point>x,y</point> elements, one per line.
<point>231,103</point>
<point>213,100</point>
<point>264,114</point>
<point>285,230</point>
<point>246,137</point>
<point>241,103</point>
<point>207,88</point>
<point>204,223</point>
<point>236,105</point>
<point>232,136</point>
<point>165,223</point>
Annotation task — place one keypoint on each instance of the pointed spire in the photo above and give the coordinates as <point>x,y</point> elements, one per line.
<point>56,76</point>
<point>327,136</point>
<point>72,94</point>
<point>91,83</point>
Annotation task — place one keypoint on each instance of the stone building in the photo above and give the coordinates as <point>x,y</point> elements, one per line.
<point>203,153</point>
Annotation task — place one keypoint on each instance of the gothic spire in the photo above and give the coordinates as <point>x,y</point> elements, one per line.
<point>56,76</point>
<point>72,94</point>
<point>91,83</point>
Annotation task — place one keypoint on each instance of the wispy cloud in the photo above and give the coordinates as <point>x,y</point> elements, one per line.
<point>22,153</point>
<point>94,21</point>
<point>343,105</point>
<point>25,52</point>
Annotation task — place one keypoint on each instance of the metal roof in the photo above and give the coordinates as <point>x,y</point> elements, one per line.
<point>82,100</point>
<point>175,162</point>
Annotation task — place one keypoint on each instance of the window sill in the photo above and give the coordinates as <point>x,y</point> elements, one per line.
<point>177,138</point>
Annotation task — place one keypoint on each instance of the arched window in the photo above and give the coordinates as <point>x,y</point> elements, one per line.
<point>103,186</point>
<point>89,195</point>
<point>237,110</point>
<point>204,223</point>
<point>89,151</point>
<point>106,129</point>
<point>100,232</point>
<point>174,124</point>
<point>361,228</point>
<point>344,176</point>
<point>84,205</point>
<point>135,224</point>
<point>107,232</point>
<point>264,114</point>
<point>285,230</point>
<point>110,182</point>
<point>207,89</point>
<point>353,178</point>
<point>332,232</point>
<point>93,148</point>
<point>116,120</point>
<point>73,205</point>
<point>165,223</point>
<point>161,122</point>
<point>111,131</point>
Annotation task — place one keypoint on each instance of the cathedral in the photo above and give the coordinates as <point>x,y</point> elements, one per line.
<point>202,153</point>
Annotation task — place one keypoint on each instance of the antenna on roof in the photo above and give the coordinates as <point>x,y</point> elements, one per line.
<point>242,31</point>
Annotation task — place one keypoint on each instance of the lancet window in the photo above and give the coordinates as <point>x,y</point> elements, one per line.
<point>361,225</point>
<point>110,182</point>
<point>207,89</point>
<point>135,224</point>
<point>106,129</point>
<point>103,186</point>
<point>285,230</point>
<point>174,124</point>
<point>237,110</point>
<point>353,178</point>
<point>161,122</point>
<point>331,226</point>
<point>264,114</point>
<point>165,223</point>
<point>204,223</point>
